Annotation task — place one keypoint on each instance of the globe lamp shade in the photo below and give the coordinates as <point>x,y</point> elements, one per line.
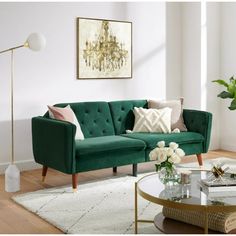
<point>36,42</point>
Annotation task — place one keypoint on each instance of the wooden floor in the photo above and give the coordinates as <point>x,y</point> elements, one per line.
<point>15,219</point>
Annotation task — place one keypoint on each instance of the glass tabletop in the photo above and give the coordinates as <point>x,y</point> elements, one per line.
<point>151,188</point>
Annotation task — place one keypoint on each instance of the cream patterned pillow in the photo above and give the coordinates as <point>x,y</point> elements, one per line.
<point>152,120</point>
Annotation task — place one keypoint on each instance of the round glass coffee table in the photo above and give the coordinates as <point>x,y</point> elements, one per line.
<point>151,189</point>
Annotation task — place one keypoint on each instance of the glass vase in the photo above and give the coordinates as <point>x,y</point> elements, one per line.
<point>168,176</point>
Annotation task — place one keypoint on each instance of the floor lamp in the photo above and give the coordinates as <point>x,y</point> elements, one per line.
<point>35,42</point>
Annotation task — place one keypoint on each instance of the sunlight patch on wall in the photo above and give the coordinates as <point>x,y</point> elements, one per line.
<point>203,56</point>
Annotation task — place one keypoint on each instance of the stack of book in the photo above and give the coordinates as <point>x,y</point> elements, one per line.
<point>224,188</point>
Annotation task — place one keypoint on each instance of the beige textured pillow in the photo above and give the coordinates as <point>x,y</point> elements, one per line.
<point>66,114</point>
<point>152,120</point>
<point>177,120</point>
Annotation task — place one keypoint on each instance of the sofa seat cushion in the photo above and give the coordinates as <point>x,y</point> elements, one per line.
<point>151,139</point>
<point>108,143</point>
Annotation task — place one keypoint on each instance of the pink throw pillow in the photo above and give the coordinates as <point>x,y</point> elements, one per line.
<point>66,114</point>
<point>59,113</point>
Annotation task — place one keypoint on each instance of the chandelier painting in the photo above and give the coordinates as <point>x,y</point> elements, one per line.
<point>104,49</point>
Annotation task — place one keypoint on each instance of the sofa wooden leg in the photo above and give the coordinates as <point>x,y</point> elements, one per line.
<point>115,169</point>
<point>74,181</point>
<point>135,169</point>
<point>44,172</point>
<point>199,158</point>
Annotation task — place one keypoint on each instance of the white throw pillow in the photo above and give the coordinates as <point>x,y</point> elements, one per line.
<point>79,134</point>
<point>152,120</point>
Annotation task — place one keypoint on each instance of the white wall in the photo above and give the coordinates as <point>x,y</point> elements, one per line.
<point>191,51</point>
<point>49,77</point>
<point>213,70</point>
<point>228,68</point>
<point>174,62</point>
<point>149,37</point>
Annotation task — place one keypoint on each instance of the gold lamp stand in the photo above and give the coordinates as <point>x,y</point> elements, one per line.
<point>35,42</point>
<point>12,173</point>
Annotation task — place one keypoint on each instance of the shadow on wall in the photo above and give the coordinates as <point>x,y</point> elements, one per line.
<point>22,141</point>
<point>148,56</point>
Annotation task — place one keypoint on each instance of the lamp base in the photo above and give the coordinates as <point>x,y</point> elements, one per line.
<point>12,178</point>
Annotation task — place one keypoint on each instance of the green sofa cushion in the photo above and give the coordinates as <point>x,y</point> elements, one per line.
<point>108,143</point>
<point>151,139</point>
<point>100,160</point>
<point>94,118</point>
<point>122,114</point>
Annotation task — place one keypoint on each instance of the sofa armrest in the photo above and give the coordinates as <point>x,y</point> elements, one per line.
<point>200,122</point>
<point>54,144</point>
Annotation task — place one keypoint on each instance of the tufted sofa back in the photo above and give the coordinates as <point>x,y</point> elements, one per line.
<point>94,118</point>
<point>122,114</point>
<point>102,118</point>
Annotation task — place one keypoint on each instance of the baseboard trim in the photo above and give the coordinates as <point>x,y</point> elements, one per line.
<point>228,147</point>
<point>22,165</point>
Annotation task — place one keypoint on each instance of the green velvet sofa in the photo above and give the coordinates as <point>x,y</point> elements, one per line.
<point>106,142</point>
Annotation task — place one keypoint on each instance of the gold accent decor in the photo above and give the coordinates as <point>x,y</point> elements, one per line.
<point>12,107</point>
<point>26,44</point>
<point>43,178</point>
<point>12,173</point>
<point>104,49</point>
<point>12,97</point>
<point>10,49</point>
<point>105,53</point>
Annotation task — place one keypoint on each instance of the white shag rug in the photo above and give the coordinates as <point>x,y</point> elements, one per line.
<point>101,207</point>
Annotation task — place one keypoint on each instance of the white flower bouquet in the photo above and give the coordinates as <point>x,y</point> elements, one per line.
<point>166,157</point>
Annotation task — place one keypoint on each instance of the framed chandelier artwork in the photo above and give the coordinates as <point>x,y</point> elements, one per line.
<point>104,49</point>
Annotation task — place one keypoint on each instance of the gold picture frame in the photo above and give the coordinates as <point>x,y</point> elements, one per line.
<point>104,49</point>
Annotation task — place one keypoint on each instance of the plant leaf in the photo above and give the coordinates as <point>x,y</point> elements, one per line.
<point>221,82</point>
<point>225,94</point>
<point>232,89</point>
<point>158,167</point>
<point>231,79</point>
<point>233,105</point>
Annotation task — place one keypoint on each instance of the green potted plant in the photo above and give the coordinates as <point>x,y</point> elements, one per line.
<point>230,91</point>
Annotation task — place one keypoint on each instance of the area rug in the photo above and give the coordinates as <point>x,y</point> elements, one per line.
<point>99,207</point>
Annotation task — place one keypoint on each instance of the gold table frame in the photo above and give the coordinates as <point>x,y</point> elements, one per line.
<point>183,206</point>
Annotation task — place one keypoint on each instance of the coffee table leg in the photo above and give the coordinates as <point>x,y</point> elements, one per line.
<point>136,210</point>
<point>206,223</point>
